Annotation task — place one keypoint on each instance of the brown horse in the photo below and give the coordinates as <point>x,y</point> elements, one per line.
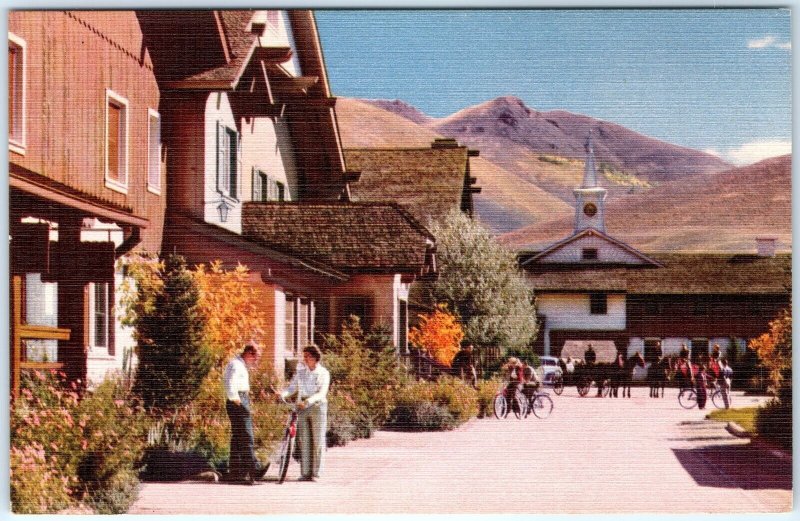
<point>658,375</point>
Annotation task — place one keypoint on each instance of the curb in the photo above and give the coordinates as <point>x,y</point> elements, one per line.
<point>737,430</point>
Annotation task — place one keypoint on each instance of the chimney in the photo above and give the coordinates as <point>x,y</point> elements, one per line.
<point>766,246</point>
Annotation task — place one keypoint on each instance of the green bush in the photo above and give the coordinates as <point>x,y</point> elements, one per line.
<point>365,377</point>
<point>487,389</point>
<point>774,420</point>
<point>118,494</point>
<point>423,416</point>
<point>458,399</point>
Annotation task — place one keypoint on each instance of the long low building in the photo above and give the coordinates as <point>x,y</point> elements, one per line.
<point>593,287</point>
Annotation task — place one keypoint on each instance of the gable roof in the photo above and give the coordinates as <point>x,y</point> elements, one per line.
<point>588,232</point>
<point>429,182</point>
<point>351,237</point>
<point>676,274</point>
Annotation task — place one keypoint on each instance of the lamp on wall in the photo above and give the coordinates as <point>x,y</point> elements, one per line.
<point>223,209</point>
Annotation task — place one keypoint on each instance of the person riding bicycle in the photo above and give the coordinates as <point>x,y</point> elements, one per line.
<point>530,382</point>
<point>684,374</point>
<point>513,370</point>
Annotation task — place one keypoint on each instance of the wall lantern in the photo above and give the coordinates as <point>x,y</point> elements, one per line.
<point>223,209</point>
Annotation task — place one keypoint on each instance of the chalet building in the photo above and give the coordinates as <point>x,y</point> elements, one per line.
<point>591,287</point>
<point>257,175</point>
<point>86,184</point>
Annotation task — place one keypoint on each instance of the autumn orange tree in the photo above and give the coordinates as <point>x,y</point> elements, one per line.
<point>774,348</point>
<point>440,333</point>
<point>233,307</point>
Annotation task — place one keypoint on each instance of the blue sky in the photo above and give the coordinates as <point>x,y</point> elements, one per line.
<point>716,80</point>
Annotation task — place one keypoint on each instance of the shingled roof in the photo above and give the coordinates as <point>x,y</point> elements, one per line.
<point>351,237</point>
<point>681,274</point>
<point>429,182</point>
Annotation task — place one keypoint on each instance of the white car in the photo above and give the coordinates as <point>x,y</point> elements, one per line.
<point>549,369</point>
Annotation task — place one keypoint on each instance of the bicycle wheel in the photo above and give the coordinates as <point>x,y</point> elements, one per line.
<point>719,399</point>
<point>687,398</point>
<point>542,406</point>
<point>583,388</point>
<point>558,386</point>
<point>500,406</point>
<point>287,446</point>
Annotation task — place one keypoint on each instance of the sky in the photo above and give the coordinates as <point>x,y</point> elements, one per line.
<point>717,80</point>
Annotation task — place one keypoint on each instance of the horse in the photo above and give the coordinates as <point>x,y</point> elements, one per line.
<point>658,375</point>
<point>626,374</point>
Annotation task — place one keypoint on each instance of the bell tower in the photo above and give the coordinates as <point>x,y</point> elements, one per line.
<point>590,198</point>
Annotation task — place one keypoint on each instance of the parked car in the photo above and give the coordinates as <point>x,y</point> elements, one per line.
<point>549,369</point>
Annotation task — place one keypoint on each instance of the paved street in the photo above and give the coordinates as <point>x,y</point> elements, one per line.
<point>591,455</point>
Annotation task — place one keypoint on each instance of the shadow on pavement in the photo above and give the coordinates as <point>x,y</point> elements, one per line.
<point>736,466</point>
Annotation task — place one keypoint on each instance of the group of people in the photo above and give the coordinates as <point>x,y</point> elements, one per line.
<point>708,369</point>
<point>521,377</point>
<point>309,387</point>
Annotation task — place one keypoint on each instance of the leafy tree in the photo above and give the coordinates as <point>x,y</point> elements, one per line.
<point>774,349</point>
<point>481,280</point>
<point>173,357</point>
<point>440,333</point>
<point>233,309</point>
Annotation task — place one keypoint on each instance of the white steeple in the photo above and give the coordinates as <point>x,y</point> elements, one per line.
<point>590,197</point>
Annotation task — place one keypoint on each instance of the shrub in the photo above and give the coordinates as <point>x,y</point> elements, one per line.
<point>774,420</point>
<point>440,333</point>
<point>423,416</point>
<point>365,377</point>
<point>457,398</point>
<point>487,389</point>
<point>173,357</point>
<point>112,445</point>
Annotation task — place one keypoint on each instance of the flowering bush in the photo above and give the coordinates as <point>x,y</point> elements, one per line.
<point>65,450</point>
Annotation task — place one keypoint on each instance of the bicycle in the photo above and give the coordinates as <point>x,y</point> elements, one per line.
<point>540,404</point>
<point>687,397</point>
<point>558,385</point>
<point>518,405</point>
<point>718,396</point>
<point>287,445</point>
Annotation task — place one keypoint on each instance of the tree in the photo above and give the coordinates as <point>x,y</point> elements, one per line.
<point>440,333</point>
<point>482,282</point>
<point>774,349</point>
<point>173,357</point>
<point>233,308</point>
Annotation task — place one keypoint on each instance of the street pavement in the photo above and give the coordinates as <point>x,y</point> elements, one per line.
<point>592,455</point>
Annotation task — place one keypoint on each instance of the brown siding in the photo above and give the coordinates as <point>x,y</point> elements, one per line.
<point>702,316</point>
<point>71,59</point>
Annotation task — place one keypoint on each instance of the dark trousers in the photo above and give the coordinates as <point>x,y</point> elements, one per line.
<point>242,456</point>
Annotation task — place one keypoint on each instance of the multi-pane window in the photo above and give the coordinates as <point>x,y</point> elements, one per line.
<point>16,93</point>
<point>116,141</point>
<point>228,156</point>
<point>260,186</point>
<point>303,323</point>
<point>153,151</point>
<point>41,309</point>
<point>598,303</point>
<point>99,319</point>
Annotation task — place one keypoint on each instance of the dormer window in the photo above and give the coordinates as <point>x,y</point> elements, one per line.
<point>589,254</point>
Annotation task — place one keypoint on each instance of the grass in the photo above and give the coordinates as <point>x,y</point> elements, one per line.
<point>745,417</point>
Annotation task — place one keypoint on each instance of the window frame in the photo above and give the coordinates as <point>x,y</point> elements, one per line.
<point>112,98</point>
<point>153,188</point>
<point>598,303</point>
<point>229,160</point>
<point>94,347</point>
<point>18,142</point>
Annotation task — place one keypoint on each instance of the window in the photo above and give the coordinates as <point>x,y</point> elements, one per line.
<point>228,155</point>
<point>153,151</point>
<point>116,142</point>
<point>280,191</point>
<point>598,303</point>
<point>589,254</point>
<point>260,186</point>
<point>16,94</point>
<point>99,323</point>
<point>303,323</point>
<point>41,309</point>
<point>291,345</point>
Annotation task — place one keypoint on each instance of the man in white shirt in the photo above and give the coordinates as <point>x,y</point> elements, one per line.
<point>310,383</point>
<point>242,465</point>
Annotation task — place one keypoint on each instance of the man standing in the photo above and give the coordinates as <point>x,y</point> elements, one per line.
<point>464,364</point>
<point>242,465</point>
<point>311,382</point>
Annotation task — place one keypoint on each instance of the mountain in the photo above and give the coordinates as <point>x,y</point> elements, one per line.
<point>721,212</point>
<point>530,162</point>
